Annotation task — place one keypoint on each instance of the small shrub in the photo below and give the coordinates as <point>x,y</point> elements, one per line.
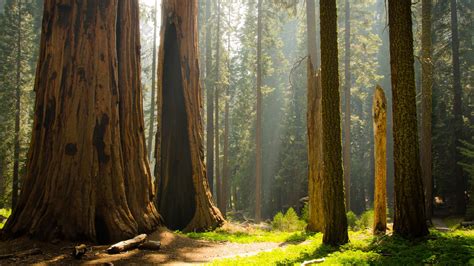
<point>351,219</point>
<point>366,220</point>
<point>288,222</point>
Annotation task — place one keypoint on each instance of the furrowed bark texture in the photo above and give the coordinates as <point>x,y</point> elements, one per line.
<point>87,174</point>
<point>183,196</point>
<point>409,217</point>
<point>379,113</point>
<point>335,221</point>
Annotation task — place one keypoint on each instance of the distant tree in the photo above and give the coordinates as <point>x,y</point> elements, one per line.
<point>347,105</point>
<point>335,221</point>
<point>426,99</point>
<point>183,195</point>
<point>409,218</point>
<point>258,162</point>
<point>90,182</point>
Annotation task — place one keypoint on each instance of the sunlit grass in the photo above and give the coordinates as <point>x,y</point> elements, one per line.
<point>453,248</point>
<point>252,236</point>
<point>5,213</point>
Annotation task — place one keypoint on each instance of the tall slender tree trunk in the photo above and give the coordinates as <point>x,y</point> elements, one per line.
<point>216,106</point>
<point>347,105</point>
<point>457,113</point>
<point>379,112</point>
<point>87,175</point>
<point>209,101</point>
<point>183,198</point>
<point>258,172</point>
<point>16,141</point>
<point>225,171</point>
<point>409,218</point>
<point>151,126</point>
<point>314,124</point>
<point>426,106</point>
<point>335,221</point>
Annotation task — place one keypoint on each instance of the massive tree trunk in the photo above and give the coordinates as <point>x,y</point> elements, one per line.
<point>209,101</point>
<point>184,198</point>
<point>151,126</point>
<point>258,161</point>
<point>16,139</point>
<point>87,175</point>
<point>335,221</point>
<point>409,218</point>
<point>460,181</point>
<point>379,112</point>
<point>314,124</point>
<point>426,103</point>
<point>347,105</point>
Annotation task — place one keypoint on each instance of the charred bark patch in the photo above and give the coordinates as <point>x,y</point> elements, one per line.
<point>101,230</point>
<point>99,133</point>
<point>64,11</point>
<point>50,113</point>
<point>177,202</point>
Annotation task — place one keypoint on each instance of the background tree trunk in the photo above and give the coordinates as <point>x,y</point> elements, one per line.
<point>151,126</point>
<point>209,101</point>
<point>184,198</point>
<point>380,151</point>
<point>216,107</point>
<point>409,218</point>
<point>457,112</point>
<point>87,173</point>
<point>314,122</point>
<point>335,221</point>
<point>16,141</point>
<point>347,105</point>
<point>258,172</point>
<point>427,106</point>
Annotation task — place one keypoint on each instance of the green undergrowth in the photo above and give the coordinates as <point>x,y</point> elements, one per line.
<point>5,213</point>
<point>453,248</point>
<point>251,236</point>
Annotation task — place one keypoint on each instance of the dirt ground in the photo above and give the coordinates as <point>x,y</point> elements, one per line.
<point>175,250</point>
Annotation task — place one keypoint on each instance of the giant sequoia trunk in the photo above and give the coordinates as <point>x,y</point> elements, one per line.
<point>87,175</point>
<point>315,222</point>
<point>379,111</point>
<point>184,198</point>
<point>335,221</point>
<point>409,218</point>
<point>426,106</point>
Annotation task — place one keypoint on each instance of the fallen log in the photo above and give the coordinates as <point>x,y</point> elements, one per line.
<point>127,244</point>
<point>20,254</point>
<point>150,245</point>
<point>466,224</point>
<point>79,251</point>
<point>312,262</point>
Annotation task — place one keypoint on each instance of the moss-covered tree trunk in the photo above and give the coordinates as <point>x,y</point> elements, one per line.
<point>183,195</point>
<point>379,112</point>
<point>335,221</point>
<point>409,217</point>
<point>426,106</point>
<point>87,174</point>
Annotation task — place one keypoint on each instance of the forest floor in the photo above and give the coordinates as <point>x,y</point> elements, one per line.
<point>244,244</point>
<point>176,249</point>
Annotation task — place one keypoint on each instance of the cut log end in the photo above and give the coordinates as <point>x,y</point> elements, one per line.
<point>79,251</point>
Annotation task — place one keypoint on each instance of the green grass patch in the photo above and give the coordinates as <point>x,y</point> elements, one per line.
<point>252,236</point>
<point>5,213</point>
<point>453,248</point>
<point>453,222</point>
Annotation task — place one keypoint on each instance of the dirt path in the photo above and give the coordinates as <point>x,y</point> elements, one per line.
<point>176,249</point>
